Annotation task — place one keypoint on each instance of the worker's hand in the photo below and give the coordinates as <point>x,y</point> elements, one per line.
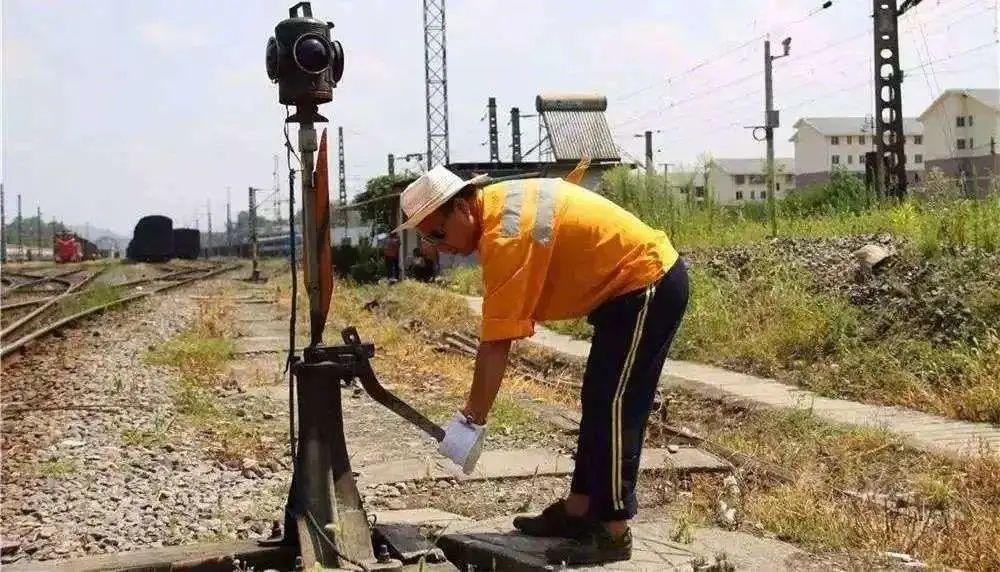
<point>463,442</point>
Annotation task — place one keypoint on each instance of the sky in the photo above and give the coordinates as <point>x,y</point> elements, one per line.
<point>114,109</point>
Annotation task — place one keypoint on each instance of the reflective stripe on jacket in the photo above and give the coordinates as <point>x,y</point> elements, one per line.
<point>552,250</point>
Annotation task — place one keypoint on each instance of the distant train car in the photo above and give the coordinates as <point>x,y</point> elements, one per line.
<point>152,240</point>
<point>187,243</point>
<point>71,247</point>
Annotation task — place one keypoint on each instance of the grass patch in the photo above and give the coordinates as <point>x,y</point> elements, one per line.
<point>56,468</point>
<point>577,328</point>
<point>200,355</point>
<point>942,511</point>
<point>95,295</point>
<point>466,280</point>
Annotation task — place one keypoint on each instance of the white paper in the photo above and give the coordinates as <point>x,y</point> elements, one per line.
<point>463,442</point>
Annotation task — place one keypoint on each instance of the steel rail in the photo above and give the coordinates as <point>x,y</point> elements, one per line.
<point>34,313</point>
<point>70,319</point>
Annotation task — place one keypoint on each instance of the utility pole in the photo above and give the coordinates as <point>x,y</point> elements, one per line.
<point>650,168</point>
<point>20,230</point>
<point>3,226</point>
<point>342,183</point>
<point>771,120</point>
<point>252,211</point>
<point>392,165</point>
<point>38,228</point>
<point>229,223</point>
<point>494,136</point>
<point>277,195</point>
<point>889,137</point>
<point>515,135</point>
<point>208,245</point>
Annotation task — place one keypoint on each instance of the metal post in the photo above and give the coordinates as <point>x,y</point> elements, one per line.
<point>255,272</point>
<point>208,244</point>
<point>771,121</point>
<point>277,194</point>
<point>889,137</point>
<point>494,136</point>
<point>515,135</point>
<point>20,230</point>
<point>650,168</point>
<point>229,224</point>
<point>392,165</point>
<point>769,130</point>
<point>308,146</point>
<point>38,229</point>
<point>342,175</point>
<point>3,226</point>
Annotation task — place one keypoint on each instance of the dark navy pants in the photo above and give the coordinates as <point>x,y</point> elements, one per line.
<point>632,334</point>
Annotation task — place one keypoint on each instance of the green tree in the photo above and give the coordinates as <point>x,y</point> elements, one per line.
<point>381,213</point>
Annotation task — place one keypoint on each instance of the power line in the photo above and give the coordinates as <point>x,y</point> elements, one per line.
<point>708,60</point>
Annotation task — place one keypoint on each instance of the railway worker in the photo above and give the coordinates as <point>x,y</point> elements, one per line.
<point>552,250</point>
<point>391,254</point>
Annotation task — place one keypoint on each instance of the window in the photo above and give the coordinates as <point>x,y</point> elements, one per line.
<point>918,139</point>
<point>861,159</point>
<point>756,179</point>
<point>740,179</point>
<point>850,159</point>
<point>834,140</point>
<point>918,158</point>
<point>969,121</point>
<point>777,186</point>
<point>960,121</point>
<point>960,144</point>
<point>788,178</point>
<point>861,139</point>
<point>752,195</point>
<point>971,144</point>
<point>848,139</point>
<point>739,195</point>
<point>835,159</point>
<point>763,195</point>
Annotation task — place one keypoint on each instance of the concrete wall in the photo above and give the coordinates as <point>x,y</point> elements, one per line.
<point>942,134</point>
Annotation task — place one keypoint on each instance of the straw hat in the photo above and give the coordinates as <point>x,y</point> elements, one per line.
<point>429,192</point>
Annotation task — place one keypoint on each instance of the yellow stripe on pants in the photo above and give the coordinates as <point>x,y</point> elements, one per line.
<point>616,405</point>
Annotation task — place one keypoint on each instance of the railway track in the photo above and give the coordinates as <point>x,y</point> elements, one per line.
<point>75,298</point>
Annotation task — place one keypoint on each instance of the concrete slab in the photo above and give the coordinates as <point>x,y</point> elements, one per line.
<point>418,516</point>
<point>922,431</point>
<point>495,541</point>
<point>521,463</point>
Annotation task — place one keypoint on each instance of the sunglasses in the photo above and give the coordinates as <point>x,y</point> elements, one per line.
<point>435,236</point>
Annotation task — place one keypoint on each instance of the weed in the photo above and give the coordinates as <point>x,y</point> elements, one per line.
<point>92,297</point>
<point>466,280</point>
<point>56,468</point>
<point>684,530</point>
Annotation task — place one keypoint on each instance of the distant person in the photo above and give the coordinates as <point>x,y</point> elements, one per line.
<point>431,255</point>
<point>552,250</point>
<point>420,267</point>
<point>391,254</point>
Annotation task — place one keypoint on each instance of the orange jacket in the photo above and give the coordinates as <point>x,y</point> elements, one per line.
<point>552,250</point>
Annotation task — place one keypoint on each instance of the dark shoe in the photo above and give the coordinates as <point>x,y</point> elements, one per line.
<point>596,547</point>
<point>554,521</point>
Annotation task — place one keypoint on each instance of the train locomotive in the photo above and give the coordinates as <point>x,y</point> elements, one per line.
<point>71,247</point>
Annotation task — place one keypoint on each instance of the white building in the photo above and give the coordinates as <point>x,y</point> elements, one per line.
<point>962,127</point>
<point>740,180</point>
<point>825,144</point>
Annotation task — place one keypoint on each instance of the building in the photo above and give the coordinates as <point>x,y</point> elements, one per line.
<point>962,128</point>
<point>826,144</point>
<point>743,180</point>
